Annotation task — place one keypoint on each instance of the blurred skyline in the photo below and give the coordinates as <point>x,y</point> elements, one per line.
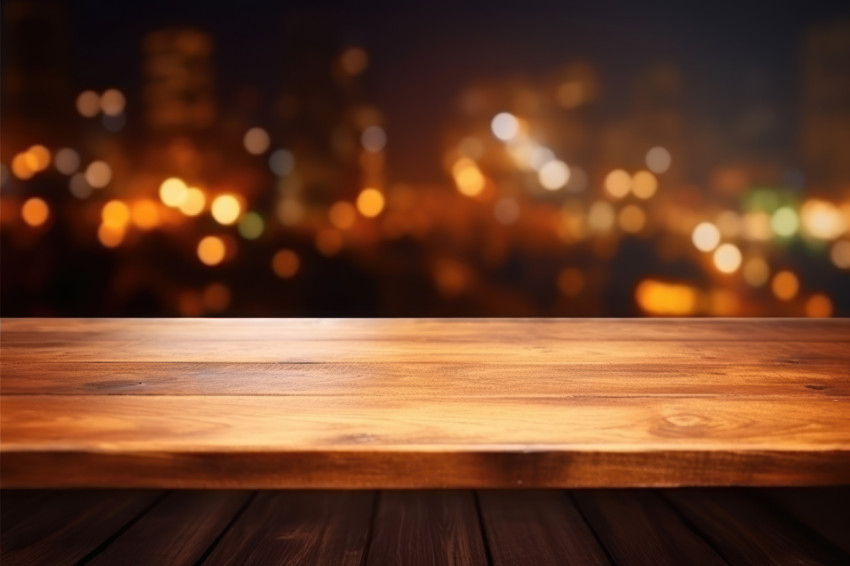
<point>534,160</point>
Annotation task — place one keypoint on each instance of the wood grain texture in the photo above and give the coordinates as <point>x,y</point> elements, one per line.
<point>423,403</point>
<point>425,529</point>
<point>746,532</point>
<point>542,528</point>
<point>177,530</point>
<point>66,528</point>
<point>298,528</point>
<point>638,528</point>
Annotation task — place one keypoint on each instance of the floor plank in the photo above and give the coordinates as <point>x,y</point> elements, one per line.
<point>541,528</point>
<point>638,528</point>
<point>177,530</point>
<point>824,510</point>
<point>745,531</point>
<point>298,528</point>
<point>71,525</point>
<point>426,528</point>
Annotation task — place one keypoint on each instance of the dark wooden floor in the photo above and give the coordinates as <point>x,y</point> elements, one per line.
<point>637,526</point>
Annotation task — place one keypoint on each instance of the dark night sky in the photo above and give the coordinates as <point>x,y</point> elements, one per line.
<point>421,57</point>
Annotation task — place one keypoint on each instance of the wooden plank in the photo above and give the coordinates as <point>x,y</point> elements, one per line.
<point>498,442</point>
<point>426,528</point>
<point>745,531</point>
<point>537,527</point>
<point>294,528</point>
<point>424,329</point>
<point>177,530</point>
<point>814,379</point>
<point>636,527</point>
<point>825,511</point>
<point>484,350</point>
<point>70,526</point>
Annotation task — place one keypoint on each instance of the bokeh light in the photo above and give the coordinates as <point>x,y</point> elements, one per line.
<point>373,138</point>
<point>644,184</point>
<point>173,192</point>
<point>145,214</point>
<point>193,201</point>
<point>211,250</point>
<point>705,236</point>
<point>818,306</point>
<point>618,183</point>
<point>554,175</point>
<point>727,258</point>
<point>370,202</point>
<point>35,211</point>
<point>67,161</point>
<point>256,141</point>
<point>504,126</point>
<point>112,102</point>
<point>785,285</point>
<point>354,60</point>
<point>88,104</point>
<point>285,264</point>
<point>342,215</point>
<point>226,209</point>
<point>658,160</point>
<point>251,226</point>
<point>98,174</point>
<point>115,214</point>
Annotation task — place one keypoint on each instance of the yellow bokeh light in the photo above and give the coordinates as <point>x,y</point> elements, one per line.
<point>88,103</point>
<point>370,202</point>
<point>115,214</point>
<point>256,141</point>
<point>727,258</point>
<point>194,202</point>
<point>98,174</point>
<point>671,299</point>
<point>285,264</point>
<point>112,102</point>
<point>618,183</point>
<point>822,219</point>
<point>145,214</point>
<point>173,192</point>
<point>211,250</point>
<point>818,306</point>
<point>35,211</point>
<point>468,178</point>
<point>354,60</point>
<point>342,215</point>
<point>756,271</point>
<point>785,285</point>
<point>705,236</point>
<point>110,236</point>
<point>632,218</point>
<point>644,184</point>
<point>226,209</point>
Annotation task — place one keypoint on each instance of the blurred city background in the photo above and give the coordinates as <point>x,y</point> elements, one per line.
<point>271,159</point>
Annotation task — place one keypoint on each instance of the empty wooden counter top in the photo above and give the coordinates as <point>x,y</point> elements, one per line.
<point>386,403</point>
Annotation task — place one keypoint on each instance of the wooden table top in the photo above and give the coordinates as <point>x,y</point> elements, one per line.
<point>420,403</point>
